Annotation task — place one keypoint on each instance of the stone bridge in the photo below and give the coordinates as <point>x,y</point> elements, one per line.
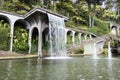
<point>38,21</point>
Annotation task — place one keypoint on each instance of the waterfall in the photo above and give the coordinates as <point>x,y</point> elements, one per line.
<point>56,36</point>
<point>109,51</point>
<point>95,52</point>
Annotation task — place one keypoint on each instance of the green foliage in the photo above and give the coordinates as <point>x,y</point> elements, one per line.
<point>34,48</point>
<point>20,40</point>
<point>70,24</point>
<point>69,39</point>
<point>15,6</point>
<point>4,35</point>
<point>79,51</point>
<point>101,27</point>
<point>76,39</point>
<point>45,46</point>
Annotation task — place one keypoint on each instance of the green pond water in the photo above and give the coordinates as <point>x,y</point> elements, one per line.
<point>75,68</point>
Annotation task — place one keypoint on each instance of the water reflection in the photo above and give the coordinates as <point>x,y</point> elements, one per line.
<point>80,68</point>
<point>110,71</point>
<point>9,68</point>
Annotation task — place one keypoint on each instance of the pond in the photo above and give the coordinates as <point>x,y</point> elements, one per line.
<point>75,68</point>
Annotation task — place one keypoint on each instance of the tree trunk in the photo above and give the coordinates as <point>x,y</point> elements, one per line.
<point>94,13</point>
<point>92,22</point>
<point>89,8</point>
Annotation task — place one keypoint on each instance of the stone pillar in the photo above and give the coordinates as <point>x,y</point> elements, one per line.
<point>118,32</point>
<point>29,41</point>
<point>90,36</point>
<point>11,35</point>
<point>95,50</point>
<point>85,37</point>
<point>73,37</point>
<point>40,44</point>
<point>66,30</point>
<point>79,37</point>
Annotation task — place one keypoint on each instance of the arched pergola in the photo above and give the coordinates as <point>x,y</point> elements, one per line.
<point>34,40</point>
<point>3,17</point>
<point>114,30</point>
<point>45,40</point>
<point>76,37</point>
<point>5,33</point>
<point>69,37</point>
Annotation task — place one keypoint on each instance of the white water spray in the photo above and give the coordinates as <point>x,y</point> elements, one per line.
<point>109,51</point>
<point>95,52</point>
<point>56,36</point>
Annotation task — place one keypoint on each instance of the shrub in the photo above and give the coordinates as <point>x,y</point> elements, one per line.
<point>20,40</point>
<point>100,28</point>
<point>4,35</point>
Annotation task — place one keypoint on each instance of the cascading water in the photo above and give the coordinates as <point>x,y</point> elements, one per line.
<point>95,52</point>
<point>109,51</point>
<point>66,30</point>
<point>57,36</point>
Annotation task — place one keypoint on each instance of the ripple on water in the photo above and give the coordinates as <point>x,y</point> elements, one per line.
<point>57,58</point>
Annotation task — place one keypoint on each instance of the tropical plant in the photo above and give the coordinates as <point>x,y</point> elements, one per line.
<point>4,35</point>
<point>20,40</point>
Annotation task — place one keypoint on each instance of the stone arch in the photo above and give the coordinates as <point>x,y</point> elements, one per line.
<point>5,18</point>
<point>45,22</point>
<point>76,37</point>
<point>4,33</point>
<point>69,37</point>
<point>114,30</point>
<point>87,36</point>
<point>92,36</point>
<point>34,39</point>
<point>45,40</point>
<point>82,36</point>
<point>23,22</point>
<point>20,39</point>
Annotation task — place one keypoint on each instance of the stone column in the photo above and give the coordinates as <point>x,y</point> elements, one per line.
<point>66,30</point>
<point>29,41</point>
<point>11,35</point>
<point>90,36</point>
<point>85,37</point>
<point>40,44</point>
<point>95,50</point>
<point>79,37</point>
<point>118,31</point>
<point>73,37</point>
